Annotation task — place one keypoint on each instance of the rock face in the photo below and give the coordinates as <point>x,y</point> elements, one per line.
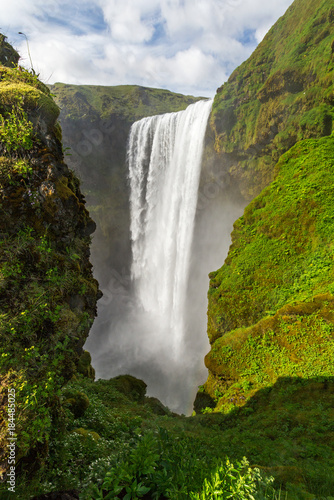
<point>47,291</point>
<point>283,93</point>
<point>270,313</point>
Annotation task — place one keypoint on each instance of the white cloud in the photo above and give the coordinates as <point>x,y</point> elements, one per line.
<point>185,45</point>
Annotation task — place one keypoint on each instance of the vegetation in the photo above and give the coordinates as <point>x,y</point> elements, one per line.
<point>270,322</point>
<point>283,93</point>
<point>131,102</point>
<point>112,445</point>
<point>269,395</point>
<point>281,248</point>
<point>47,292</point>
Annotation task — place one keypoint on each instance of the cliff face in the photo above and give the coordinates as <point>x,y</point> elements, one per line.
<point>47,291</point>
<point>271,305</point>
<point>279,271</point>
<point>96,121</point>
<point>283,93</point>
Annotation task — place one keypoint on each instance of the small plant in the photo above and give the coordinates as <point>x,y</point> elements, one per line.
<point>16,131</point>
<point>237,481</point>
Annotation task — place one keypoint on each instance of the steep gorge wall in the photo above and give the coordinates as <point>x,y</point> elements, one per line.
<point>270,312</point>
<point>283,93</point>
<point>47,291</point>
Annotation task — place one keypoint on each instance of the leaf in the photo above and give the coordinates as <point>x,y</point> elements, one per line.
<point>142,490</point>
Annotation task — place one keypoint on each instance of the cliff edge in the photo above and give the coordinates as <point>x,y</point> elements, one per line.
<point>47,291</point>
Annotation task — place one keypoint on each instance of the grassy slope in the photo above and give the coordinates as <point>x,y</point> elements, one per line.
<point>110,428</point>
<point>271,320</point>
<point>282,247</point>
<point>281,94</point>
<point>130,101</point>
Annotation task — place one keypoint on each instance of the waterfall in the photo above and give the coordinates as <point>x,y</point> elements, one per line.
<point>152,324</point>
<point>164,158</point>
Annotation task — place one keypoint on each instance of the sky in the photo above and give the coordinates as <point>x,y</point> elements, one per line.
<point>186,46</point>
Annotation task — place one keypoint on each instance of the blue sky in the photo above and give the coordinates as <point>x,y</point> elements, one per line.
<point>188,46</point>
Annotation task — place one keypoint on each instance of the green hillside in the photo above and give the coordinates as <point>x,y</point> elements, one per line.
<point>283,93</point>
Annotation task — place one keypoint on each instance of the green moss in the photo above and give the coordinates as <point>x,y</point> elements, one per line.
<point>282,246</point>
<point>35,100</point>
<point>85,434</point>
<point>297,341</point>
<point>77,401</point>
<point>283,93</point>
<point>271,324</point>
<point>47,292</point>
<point>130,101</point>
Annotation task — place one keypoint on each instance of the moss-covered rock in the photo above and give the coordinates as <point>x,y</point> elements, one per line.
<point>271,323</point>
<point>85,367</point>
<point>202,401</point>
<point>76,401</point>
<point>282,246</point>
<point>156,406</point>
<point>133,388</point>
<point>86,434</point>
<point>47,290</point>
<point>283,93</point>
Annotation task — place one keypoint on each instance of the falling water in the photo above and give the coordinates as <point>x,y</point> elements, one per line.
<point>152,324</point>
<point>164,156</point>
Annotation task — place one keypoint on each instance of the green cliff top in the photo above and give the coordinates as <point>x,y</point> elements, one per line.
<point>283,93</point>
<point>130,101</point>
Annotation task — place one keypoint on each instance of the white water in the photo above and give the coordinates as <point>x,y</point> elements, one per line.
<point>152,324</point>
<point>164,156</point>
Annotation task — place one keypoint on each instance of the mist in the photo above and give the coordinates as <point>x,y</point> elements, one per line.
<point>127,339</point>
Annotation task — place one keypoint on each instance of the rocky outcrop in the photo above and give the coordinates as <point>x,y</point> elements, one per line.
<point>271,305</point>
<point>47,291</point>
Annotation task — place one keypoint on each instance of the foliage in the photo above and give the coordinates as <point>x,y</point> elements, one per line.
<point>19,74</point>
<point>16,131</point>
<point>237,481</point>
<point>35,279</point>
<point>118,447</point>
<point>152,469</point>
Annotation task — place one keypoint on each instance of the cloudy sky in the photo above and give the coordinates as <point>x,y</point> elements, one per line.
<point>188,46</point>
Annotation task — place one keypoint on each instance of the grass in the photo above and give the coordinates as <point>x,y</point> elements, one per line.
<point>281,248</point>
<point>130,101</point>
<point>283,93</point>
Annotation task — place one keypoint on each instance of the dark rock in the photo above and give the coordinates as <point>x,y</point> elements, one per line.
<point>132,387</point>
<point>202,401</point>
<point>77,402</point>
